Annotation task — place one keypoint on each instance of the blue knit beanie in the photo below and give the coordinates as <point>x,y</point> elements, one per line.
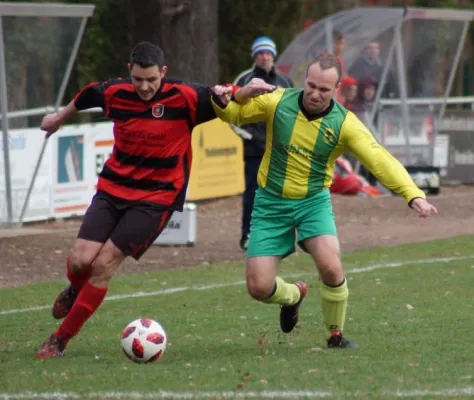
<point>263,43</point>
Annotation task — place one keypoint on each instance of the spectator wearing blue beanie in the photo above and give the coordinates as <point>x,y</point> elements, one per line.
<point>263,44</point>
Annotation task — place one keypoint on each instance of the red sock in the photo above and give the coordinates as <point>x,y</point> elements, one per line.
<point>77,281</point>
<point>87,302</point>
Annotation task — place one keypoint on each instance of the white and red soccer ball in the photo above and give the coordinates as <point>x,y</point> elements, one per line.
<point>143,340</point>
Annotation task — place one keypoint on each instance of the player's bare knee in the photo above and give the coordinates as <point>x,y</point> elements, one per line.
<point>106,263</point>
<point>258,289</point>
<point>331,273</point>
<point>104,269</point>
<point>78,263</point>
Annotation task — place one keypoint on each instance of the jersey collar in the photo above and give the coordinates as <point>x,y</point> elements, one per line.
<point>313,117</point>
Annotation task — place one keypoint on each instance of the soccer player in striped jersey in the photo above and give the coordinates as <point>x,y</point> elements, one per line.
<point>306,131</point>
<point>142,183</point>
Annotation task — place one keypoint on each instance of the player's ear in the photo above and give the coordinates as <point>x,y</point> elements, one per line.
<point>164,70</point>
<point>130,66</point>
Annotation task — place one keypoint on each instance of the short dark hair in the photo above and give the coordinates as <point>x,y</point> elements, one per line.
<point>327,60</point>
<point>146,54</point>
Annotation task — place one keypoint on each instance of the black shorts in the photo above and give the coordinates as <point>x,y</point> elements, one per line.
<point>132,226</point>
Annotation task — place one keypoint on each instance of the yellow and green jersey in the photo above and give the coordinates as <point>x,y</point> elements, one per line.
<point>301,149</point>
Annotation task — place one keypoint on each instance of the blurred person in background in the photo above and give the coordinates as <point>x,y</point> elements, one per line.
<point>348,93</point>
<point>263,52</point>
<point>366,97</point>
<point>338,47</point>
<point>367,91</point>
<point>370,64</point>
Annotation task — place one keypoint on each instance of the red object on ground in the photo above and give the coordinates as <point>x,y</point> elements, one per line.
<point>347,181</point>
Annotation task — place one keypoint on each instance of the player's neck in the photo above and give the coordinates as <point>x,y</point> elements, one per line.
<point>313,115</point>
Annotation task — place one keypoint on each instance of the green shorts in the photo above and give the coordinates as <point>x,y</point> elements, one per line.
<point>275,222</point>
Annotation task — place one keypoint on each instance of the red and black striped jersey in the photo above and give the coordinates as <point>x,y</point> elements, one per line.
<point>151,158</point>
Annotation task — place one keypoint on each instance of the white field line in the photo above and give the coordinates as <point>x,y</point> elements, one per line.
<point>443,393</point>
<point>285,394</point>
<point>241,282</point>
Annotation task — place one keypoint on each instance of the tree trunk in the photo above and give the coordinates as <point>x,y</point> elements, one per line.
<point>205,41</point>
<point>188,33</point>
<point>146,21</point>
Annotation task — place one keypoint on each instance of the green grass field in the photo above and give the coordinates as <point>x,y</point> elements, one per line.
<point>412,315</point>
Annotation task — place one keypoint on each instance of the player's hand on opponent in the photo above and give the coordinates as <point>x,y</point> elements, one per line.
<point>254,88</point>
<point>223,92</point>
<point>423,208</point>
<point>258,86</point>
<point>50,124</point>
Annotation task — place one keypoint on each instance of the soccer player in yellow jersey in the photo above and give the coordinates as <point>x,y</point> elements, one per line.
<point>306,131</point>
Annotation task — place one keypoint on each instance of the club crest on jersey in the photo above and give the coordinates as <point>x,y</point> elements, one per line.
<point>158,110</point>
<point>328,135</point>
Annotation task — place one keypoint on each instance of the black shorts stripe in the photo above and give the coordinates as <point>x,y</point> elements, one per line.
<point>146,162</point>
<point>142,184</point>
<point>169,113</point>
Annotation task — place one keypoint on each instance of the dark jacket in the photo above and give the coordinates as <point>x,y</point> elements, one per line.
<point>364,67</point>
<point>255,147</point>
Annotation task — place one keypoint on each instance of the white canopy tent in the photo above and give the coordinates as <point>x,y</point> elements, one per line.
<point>420,54</point>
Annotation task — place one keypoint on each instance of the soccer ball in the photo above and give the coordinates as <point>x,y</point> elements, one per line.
<point>143,340</point>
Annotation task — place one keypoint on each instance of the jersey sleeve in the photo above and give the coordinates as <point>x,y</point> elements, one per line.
<point>386,168</point>
<point>91,96</point>
<point>202,107</point>
<point>255,110</point>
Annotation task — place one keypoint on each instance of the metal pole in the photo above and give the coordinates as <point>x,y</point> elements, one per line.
<point>378,95</point>
<point>383,80</point>
<point>452,73</point>
<point>370,121</point>
<point>4,110</point>
<point>403,90</point>
<point>59,100</point>
<point>328,28</point>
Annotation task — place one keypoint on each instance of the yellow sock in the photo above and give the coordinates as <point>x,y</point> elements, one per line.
<point>285,293</point>
<point>334,305</point>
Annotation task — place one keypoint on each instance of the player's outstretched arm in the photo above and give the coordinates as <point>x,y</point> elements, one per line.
<point>255,87</point>
<point>386,168</point>
<point>91,95</point>
<point>52,122</point>
<point>255,110</point>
